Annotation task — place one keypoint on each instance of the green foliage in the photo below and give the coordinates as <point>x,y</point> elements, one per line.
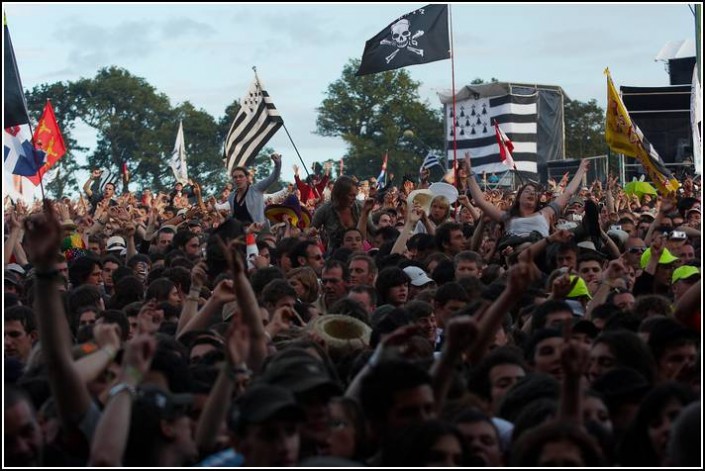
<point>371,113</point>
<point>584,129</point>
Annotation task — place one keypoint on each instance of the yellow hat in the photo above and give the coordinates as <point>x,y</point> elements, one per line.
<point>684,272</point>
<point>666,258</point>
<point>580,289</point>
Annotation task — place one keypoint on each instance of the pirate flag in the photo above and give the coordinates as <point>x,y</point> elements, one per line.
<point>415,38</point>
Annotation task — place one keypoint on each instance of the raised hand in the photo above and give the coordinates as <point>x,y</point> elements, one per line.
<point>43,237</point>
<point>276,158</point>
<point>296,169</point>
<point>560,236</point>
<point>224,292</point>
<point>148,321</point>
<point>368,205</point>
<point>107,335</point>
<point>562,285</point>
<point>233,257</point>
<point>199,275</point>
<point>139,353</point>
<point>237,342</point>
<point>574,357</point>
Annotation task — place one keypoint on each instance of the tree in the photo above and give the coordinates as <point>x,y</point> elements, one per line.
<point>371,113</point>
<point>584,129</point>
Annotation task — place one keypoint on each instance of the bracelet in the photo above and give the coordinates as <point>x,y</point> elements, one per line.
<point>233,371</point>
<point>118,388</point>
<point>193,298</point>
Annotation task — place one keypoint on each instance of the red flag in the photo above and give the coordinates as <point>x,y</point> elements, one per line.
<point>125,173</point>
<point>506,147</point>
<point>47,137</point>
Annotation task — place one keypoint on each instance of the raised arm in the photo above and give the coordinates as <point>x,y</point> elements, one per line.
<point>572,187</point>
<point>478,196</point>
<point>43,239</point>
<point>364,217</point>
<point>264,184</point>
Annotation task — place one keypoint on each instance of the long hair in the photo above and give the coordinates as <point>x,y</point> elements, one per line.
<point>514,208</point>
<point>342,187</point>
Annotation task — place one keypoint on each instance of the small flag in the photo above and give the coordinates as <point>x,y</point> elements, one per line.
<point>418,37</point>
<point>178,157</point>
<point>382,178</point>
<point>47,138</point>
<point>506,147</point>
<point>105,178</point>
<point>19,155</point>
<point>624,136</point>
<point>255,123</point>
<point>431,160</point>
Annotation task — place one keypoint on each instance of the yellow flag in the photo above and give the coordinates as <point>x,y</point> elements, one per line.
<point>625,137</point>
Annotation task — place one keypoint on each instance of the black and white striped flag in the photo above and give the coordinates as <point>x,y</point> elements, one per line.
<point>256,122</point>
<point>105,178</point>
<point>517,115</point>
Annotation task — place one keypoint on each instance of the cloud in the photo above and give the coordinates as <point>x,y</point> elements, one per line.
<point>179,27</point>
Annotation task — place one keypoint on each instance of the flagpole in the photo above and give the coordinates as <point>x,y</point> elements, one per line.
<point>452,69</point>
<point>36,160</point>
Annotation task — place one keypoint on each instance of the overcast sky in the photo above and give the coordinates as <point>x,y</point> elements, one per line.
<point>204,53</point>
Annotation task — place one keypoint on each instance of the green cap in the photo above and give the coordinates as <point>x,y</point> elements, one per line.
<point>684,272</point>
<point>580,289</point>
<point>666,258</point>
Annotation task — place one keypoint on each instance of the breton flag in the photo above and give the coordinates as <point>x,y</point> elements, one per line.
<point>625,137</point>
<point>518,116</point>
<point>19,155</point>
<point>431,160</point>
<point>178,157</point>
<point>47,138</point>
<point>382,178</point>
<point>696,121</point>
<point>418,37</point>
<point>506,146</point>
<point>255,123</point>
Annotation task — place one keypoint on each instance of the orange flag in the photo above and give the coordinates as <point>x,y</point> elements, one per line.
<point>47,137</point>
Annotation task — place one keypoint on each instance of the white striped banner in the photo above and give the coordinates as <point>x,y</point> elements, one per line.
<point>517,116</point>
<point>255,123</point>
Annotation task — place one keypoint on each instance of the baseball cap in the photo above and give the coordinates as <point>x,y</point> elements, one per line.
<point>261,402</point>
<point>12,278</point>
<point>299,374</point>
<point>418,276</point>
<point>685,272</point>
<point>16,269</point>
<point>666,258</point>
<point>115,244</point>
<point>580,289</point>
<point>168,405</point>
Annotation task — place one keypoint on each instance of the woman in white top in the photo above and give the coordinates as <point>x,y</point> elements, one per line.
<point>524,217</point>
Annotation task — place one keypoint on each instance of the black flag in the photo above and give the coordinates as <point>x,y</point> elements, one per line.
<point>415,38</point>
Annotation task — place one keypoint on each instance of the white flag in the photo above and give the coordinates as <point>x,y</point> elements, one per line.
<point>178,157</point>
<point>696,113</point>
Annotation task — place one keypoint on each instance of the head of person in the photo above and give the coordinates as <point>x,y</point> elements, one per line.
<point>543,352</point>
<point>440,209</point>
<point>165,236</point>
<point>396,394</point>
<point>240,178</point>
<point>449,299</point>
<point>160,429</point>
<point>305,283</point>
<point>392,286</point>
<point>664,268</point>
<point>481,437</point>
<point>468,263</point>
<point>619,349</point>
<point>683,279</point>
<point>85,270</point>
<point>363,270</point>
<point>335,279</point>
<point>449,238</point>
<point>364,295</point>
<point>22,433</point>
<point>109,190</point>
<point>264,423</point>
<point>20,332</point>
<point>352,239</point>
<point>344,192</point>
<point>557,443</point>
<point>526,201</point>
<point>674,348</point>
<point>496,373</point>
<point>433,443</point>
<point>566,255</point>
<point>277,294</point>
<point>164,290</point>
<point>307,253</point>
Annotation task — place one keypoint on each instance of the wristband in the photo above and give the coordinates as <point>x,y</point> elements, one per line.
<point>118,388</point>
<point>110,351</point>
<point>133,373</point>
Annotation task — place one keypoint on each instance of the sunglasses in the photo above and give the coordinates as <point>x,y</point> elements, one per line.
<point>637,250</point>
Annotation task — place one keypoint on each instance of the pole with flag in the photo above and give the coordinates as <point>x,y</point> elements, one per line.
<point>624,136</point>
<point>178,157</point>
<point>19,154</point>
<point>696,121</point>
<point>506,147</point>
<point>48,138</point>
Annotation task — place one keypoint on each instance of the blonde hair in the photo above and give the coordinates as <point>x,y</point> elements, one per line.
<point>443,201</point>
<point>307,277</point>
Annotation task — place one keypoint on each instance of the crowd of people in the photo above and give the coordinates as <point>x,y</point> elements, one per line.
<point>347,323</point>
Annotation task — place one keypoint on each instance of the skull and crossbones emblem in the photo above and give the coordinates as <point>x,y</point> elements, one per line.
<point>402,39</point>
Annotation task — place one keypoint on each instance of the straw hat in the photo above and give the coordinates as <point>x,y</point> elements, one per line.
<point>422,198</point>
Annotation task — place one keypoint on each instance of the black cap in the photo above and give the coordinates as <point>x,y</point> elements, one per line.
<point>262,402</point>
<point>299,374</point>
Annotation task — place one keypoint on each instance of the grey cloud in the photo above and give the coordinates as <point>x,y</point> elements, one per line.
<point>179,27</point>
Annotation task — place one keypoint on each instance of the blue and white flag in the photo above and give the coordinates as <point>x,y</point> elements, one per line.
<point>431,160</point>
